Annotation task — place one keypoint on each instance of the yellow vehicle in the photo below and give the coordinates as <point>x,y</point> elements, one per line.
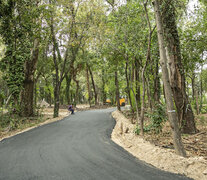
<point>108,101</point>
<point>121,101</point>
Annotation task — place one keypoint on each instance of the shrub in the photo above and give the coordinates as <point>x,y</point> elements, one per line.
<point>157,117</point>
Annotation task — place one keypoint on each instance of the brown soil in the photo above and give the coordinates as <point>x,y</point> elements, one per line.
<point>158,149</point>
<point>195,144</point>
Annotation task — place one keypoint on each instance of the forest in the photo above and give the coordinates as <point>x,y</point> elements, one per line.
<point>152,53</point>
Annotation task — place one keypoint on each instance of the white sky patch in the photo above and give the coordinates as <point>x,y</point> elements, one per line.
<point>192,6</point>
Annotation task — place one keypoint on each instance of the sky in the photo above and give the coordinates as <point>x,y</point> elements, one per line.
<point>191,5</point>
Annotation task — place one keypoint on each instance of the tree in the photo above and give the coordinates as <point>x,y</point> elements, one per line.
<point>176,70</point>
<point>64,65</point>
<point>21,36</point>
<point>168,92</point>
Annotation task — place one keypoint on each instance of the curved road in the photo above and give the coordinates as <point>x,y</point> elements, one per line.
<point>76,148</point>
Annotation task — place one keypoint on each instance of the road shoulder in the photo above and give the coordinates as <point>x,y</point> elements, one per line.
<point>165,159</point>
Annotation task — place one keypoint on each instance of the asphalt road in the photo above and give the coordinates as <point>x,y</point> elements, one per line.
<point>76,148</point>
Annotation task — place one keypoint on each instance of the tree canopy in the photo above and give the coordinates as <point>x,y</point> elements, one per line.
<point>91,51</point>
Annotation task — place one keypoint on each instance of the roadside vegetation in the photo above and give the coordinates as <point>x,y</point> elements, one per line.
<point>150,55</point>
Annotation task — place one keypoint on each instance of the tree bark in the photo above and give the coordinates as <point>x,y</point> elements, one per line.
<point>177,78</point>
<point>56,100</point>
<point>60,65</point>
<point>68,82</point>
<point>168,91</point>
<point>197,103</point>
<point>94,86</point>
<point>128,86</point>
<point>201,89</point>
<point>77,91</point>
<point>143,72</point>
<point>27,104</point>
<point>193,85</point>
<point>142,105</point>
<point>57,82</point>
<point>103,87</point>
<point>88,86</point>
<point>117,90</point>
<point>137,107</point>
<point>137,79</point>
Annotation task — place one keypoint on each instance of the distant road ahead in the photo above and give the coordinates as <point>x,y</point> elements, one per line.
<point>76,148</point>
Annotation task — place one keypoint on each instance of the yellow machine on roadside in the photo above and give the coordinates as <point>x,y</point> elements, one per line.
<point>108,101</point>
<point>122,101</point>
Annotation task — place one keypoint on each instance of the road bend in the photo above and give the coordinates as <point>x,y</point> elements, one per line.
<point>76,148</point>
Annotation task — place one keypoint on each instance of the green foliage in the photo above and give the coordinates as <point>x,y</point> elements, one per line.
<point>204,79</point>
<point>137,130</point>
<point>203,109</point>
<point>106,40</point>
<point>133,100</point>
<point>157,117</point>
<point>146,129</point>
<point>18,28</point>
<point>4,120</point>
<point>2,98</point>
<point>11,120</point>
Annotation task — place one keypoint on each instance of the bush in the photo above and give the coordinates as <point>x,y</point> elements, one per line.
<point>137,130</point>
<point>146,129</point>
<point>203,109</point>
<point>157,117</point>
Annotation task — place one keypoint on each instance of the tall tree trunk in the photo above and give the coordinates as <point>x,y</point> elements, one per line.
<point>197,101</point>
<point>193,86</point>
<point>35,94</point>
<point>77,92</point>
<point>94,86</point>
<point>27,104</point>
<point>56,99</point>
<point>142,105</point>
<point>60,63</point>
<point>103,87</point>
<point>138,97</point>
<point>201,89</point>
<point>88,86</point>
<point>67,89</point>
<point>117,90</point>
<point>57,83</point>
<point>168,91</point>
<point>128,86</point>
<point>137,107</point>
<point>143,71</point>
<point>133,72</point>
<point>177,78</point>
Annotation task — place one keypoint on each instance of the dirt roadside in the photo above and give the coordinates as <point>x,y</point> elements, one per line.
<point>47,118</point>
<point>165,159</point>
